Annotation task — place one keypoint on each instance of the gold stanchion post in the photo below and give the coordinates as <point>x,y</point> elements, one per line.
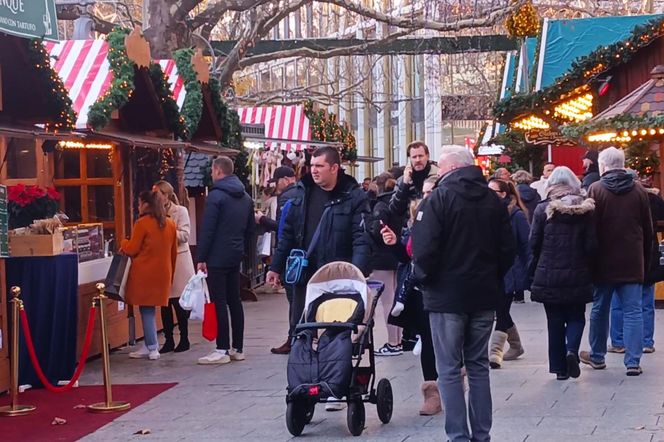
<point>110,405</point>
<point>15,409</point>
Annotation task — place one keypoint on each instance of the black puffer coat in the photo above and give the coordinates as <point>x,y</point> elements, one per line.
<point>382,257</point>
<point>530,198</point>
<point>342,234</point>
<point>656,272</point>
<point>563,243</point>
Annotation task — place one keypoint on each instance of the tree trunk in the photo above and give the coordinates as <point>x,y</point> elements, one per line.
<point>165,32</point>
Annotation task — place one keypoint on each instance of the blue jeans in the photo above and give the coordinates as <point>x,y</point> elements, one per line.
<point>648,307</point>
<point>630,298</point>
<point>149,320</point>
<point>565,323</point>
<point>463,338</point>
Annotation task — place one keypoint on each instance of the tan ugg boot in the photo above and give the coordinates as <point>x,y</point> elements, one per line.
<point>496,346</point>
<point>514,340</point>
<point>432,404</point>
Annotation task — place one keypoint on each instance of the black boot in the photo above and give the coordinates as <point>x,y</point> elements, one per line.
<point>167,321</point>
<point>183,326</point>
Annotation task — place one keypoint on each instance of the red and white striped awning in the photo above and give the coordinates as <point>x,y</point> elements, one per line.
<point>284,125</point>
<point>84,68</point>
<point>175,81</point>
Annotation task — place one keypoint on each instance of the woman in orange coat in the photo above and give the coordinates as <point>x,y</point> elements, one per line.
<point>153,251</point>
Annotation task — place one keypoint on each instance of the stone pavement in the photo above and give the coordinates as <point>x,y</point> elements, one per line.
<point>245,400</point>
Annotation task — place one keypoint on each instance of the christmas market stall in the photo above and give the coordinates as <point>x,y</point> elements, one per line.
<point>35,112</point>
<point>129,124</point>
<point>567,83</point>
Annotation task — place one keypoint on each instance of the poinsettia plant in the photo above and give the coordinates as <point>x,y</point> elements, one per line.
<point>28,203</point>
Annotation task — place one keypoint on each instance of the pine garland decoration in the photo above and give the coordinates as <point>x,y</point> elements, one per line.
<point>192,108</point>
<point>122,86</point>
<point>325,127</point>
<point>174,121</point>
<point>583,70</point>
<point>58,99</point>
<point>634,125</point>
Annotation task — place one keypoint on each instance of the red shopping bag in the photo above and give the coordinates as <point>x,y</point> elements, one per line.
<point>210,322</point>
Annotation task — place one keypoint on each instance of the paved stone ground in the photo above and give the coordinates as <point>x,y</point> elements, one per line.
<point>245,400</point>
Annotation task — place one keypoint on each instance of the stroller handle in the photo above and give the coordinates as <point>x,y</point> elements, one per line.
<point>378,286</point>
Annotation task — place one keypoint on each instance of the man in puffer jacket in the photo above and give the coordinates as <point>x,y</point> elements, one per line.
<point>409,186</point>
<point>624,232</point>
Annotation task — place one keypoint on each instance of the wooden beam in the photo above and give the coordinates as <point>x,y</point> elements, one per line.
<point>428,45</point>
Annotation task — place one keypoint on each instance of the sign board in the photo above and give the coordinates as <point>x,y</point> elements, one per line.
<point>29,18</point>
<point>546,137</point>
<point>4,222</point>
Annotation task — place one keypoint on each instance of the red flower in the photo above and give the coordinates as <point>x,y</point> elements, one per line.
<point>52,193</point>
<point>14,192</point>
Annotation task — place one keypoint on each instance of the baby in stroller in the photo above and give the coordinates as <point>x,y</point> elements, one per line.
<point>330,342</point>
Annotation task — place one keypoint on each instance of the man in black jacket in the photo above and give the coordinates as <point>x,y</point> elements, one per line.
<point>342,236</point>
<point>284,180</point>
<point>228,226</point>
<point>410,184</point>
<point>462,247</point>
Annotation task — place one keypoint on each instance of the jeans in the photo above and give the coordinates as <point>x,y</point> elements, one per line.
<point>630,297</point>
<point>503,317</point>
<point>463,338</point>
<point>648,308</point>
<point>149,320</point>
<point>565,324</point>
<point>224,286</point>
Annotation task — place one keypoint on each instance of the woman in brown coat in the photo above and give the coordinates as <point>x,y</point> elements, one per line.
<point>184,270</point>
<point>153,251</point>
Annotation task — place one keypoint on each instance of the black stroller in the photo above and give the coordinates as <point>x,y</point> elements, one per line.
<point>325,359</point>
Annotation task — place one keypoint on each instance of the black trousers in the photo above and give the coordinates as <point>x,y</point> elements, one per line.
<point>503,317</point>
<point>289,296</point>
<point>182,317</point>
<point>297,306</point>
<point>224,286</point>
<point>427,357</point>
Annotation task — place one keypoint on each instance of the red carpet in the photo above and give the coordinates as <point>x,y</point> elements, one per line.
<point>36,426</point>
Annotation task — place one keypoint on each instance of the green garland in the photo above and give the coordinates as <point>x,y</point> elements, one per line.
<point>192,108</point>
<point>619,123</point>
<point>174,121</point>
<point>58,100</point>
<point>122,85</point>
<point>640,157</point>
<point>583,70</point>
<point>325,127</point>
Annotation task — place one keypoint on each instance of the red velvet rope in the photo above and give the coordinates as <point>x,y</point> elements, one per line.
<point>81,362</point>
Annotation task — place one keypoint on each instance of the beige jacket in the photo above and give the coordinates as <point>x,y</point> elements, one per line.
<point>180,216</point>
<point>184,266</point>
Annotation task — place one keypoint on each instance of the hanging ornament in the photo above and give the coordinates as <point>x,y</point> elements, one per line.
<point>524,22</point>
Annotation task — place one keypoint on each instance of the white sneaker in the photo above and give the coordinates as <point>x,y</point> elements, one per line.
<point>215,357</point>
<point>236,355</point>
<point>334,406</point>
<point>141,353</point>
<point>154,355</point>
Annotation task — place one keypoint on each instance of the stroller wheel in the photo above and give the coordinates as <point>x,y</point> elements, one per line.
<point>309,415</point>
<point>296,417</point>
<point>384,400</point>
<point>355,417</point>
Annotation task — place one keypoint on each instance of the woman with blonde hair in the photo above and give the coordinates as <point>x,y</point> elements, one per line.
<point>516,279</point>
<point>153,251</point>
<point>184,270</point>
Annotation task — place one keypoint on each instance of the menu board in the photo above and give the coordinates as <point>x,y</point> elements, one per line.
<point>4,223</point>
<point>87,240</point>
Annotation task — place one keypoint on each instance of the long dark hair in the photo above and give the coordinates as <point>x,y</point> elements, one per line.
<point>156,210</point>
<point>511,193</point>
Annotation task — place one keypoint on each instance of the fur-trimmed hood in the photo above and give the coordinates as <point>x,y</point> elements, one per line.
<point>570,205</point>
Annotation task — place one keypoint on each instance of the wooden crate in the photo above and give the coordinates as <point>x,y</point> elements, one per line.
<point>36,245</point>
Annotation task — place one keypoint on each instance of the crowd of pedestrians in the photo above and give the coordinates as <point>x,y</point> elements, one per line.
<point>454,250</point>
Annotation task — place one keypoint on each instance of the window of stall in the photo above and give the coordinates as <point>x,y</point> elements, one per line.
<point>84,177</point>
<point>22,161</point>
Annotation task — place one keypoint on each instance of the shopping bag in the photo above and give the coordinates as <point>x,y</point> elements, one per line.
<point>210,322</point>
<point>193,295</point>
<point>116,278</point>
<point>264,244</point>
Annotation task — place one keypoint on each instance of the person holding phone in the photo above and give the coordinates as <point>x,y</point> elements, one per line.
<point>410,185</point>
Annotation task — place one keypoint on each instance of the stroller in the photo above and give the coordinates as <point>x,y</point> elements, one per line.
<point>329,345</point>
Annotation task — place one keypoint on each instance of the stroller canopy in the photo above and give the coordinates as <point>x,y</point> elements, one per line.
<point>336,277</point>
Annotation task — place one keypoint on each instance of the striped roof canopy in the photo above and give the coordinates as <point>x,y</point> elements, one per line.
<point>288,123</point>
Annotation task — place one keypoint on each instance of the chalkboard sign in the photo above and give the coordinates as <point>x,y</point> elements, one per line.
<point>4,223</point>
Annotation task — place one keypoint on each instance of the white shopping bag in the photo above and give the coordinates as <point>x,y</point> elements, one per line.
<point>194,295</point>
<point>264,244</point>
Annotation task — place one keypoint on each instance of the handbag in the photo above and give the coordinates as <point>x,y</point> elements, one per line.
<point>264,244</point>
<point>116,278</point>
<point>209,329</point>
<point>298,259</point>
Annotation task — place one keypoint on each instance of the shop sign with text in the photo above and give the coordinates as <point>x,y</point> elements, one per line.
<point>29,18</point>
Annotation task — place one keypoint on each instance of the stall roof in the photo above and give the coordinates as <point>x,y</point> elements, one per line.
<point>193,174</point>
<point>175,81</point>
<point>138,140</point>
<point>647,99</point>
<point>284,125</point>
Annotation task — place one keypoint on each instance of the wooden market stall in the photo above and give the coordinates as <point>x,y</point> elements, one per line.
<point>30,95</point>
